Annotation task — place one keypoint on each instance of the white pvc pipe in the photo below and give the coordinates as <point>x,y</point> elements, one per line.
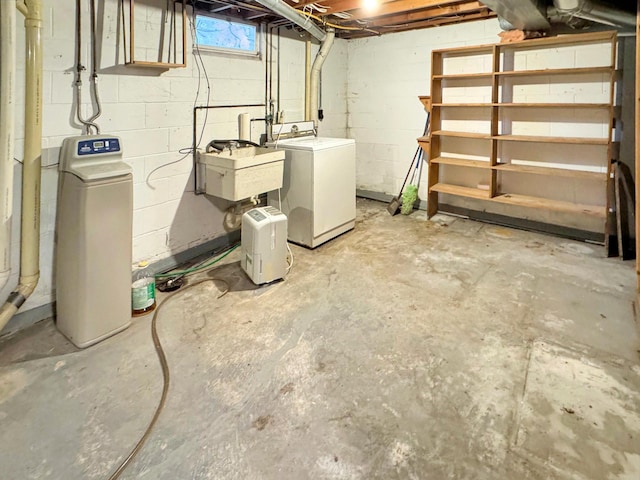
<point>30,228</point>
<point>307,80</point>
<point>7,92</point>
<point>315,74</point>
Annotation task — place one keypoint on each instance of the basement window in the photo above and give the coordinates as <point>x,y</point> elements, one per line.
<point>224,35</point>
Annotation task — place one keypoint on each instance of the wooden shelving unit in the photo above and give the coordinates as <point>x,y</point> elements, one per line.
<point>494,109</point>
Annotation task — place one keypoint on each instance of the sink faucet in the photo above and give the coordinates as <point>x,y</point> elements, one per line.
<point>232,145</point>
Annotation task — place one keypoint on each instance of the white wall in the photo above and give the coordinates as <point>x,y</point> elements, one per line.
<point>151,110</point>
<point>386,76</point>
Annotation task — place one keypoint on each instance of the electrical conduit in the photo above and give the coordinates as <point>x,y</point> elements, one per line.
<point>7,92</point>
<point>30,228</point>
<point>314,81</point>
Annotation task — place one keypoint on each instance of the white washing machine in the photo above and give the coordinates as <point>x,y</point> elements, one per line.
<point>318,189</point>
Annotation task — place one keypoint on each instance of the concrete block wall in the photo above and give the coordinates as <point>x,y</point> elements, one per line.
<point>151,111</point>
<point>386,76</point>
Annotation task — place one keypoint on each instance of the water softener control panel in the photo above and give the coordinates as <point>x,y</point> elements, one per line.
<point>93,157</point>
<point>97,146</point>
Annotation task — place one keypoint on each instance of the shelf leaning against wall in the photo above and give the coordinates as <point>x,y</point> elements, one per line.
<point>526,124</point>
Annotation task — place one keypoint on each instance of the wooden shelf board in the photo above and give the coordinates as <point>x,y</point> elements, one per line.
<point>461,191</point>
<point>463,104</point>
<point>443,133</point>
<point>554,205</point>
<point>461,162</point>
<point>462,51</point>
<point>553,105</point>
<point>555,172</point>
<point>139,63</point>
<point>556,71</point>
<point>525,105</point>
<point>584,38</point>
<point>540,139</point>
<point>464,75</point>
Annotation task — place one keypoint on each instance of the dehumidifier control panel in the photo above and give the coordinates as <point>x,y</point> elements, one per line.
<point>256,214</point>
<point>98,146</point>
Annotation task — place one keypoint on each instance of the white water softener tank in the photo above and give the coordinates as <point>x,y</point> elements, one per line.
<point>93,239</point>
<point>264,244</point>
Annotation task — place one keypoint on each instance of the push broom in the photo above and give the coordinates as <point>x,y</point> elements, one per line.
<point>394,205</point>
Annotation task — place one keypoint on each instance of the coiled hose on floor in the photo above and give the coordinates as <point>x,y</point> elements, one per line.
<point>166,376</point>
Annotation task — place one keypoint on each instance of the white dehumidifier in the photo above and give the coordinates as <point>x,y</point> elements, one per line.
<point>264,244</point>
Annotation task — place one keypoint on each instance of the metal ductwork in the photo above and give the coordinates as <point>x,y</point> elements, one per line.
<point>539,14</point>
<point>599,12</point>
<point>520,14</point>
<point>290,13</point>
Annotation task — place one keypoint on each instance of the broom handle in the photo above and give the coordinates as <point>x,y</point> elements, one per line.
<point>416,155</point>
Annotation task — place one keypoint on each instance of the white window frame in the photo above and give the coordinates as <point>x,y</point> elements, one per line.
<point>257,53</point>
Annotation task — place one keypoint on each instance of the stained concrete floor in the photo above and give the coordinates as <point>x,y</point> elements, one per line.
<point>405,349</point>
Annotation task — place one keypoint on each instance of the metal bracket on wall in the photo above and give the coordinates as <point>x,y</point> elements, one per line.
<point>176,55</point>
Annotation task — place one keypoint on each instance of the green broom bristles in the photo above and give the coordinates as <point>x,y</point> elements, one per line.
<point>409,197</point>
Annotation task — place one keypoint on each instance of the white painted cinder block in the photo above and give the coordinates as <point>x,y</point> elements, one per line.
<point>386,75</point>
<point>151,110</point>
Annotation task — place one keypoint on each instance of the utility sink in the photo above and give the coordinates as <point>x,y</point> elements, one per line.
<point>242,172</point>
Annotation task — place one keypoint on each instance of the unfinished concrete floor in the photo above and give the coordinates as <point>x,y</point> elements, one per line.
<point>405,349</point>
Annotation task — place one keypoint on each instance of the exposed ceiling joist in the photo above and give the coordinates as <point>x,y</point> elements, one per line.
<point>428,23</point>
<point>405,6</point>
<point>347,5</point>
<point>389,16</point>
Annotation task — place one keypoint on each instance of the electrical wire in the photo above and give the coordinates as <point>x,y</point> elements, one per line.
<point>287,243</point>
<point>334,25</point>
<point>166,374</point>
<point>42,167</point>
<point>198,56</point>
<point>189,151</point>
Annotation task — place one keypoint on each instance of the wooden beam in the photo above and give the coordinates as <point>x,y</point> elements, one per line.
<point>418,15</point>
<point>406,6</point>
<point>336,6</point>
<point>422,24</point>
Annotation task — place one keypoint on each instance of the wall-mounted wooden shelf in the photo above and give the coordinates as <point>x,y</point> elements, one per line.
<point>176,20</point>
<point>142,64</point>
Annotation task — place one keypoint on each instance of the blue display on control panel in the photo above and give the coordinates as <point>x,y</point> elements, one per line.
<point>98,145</point>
